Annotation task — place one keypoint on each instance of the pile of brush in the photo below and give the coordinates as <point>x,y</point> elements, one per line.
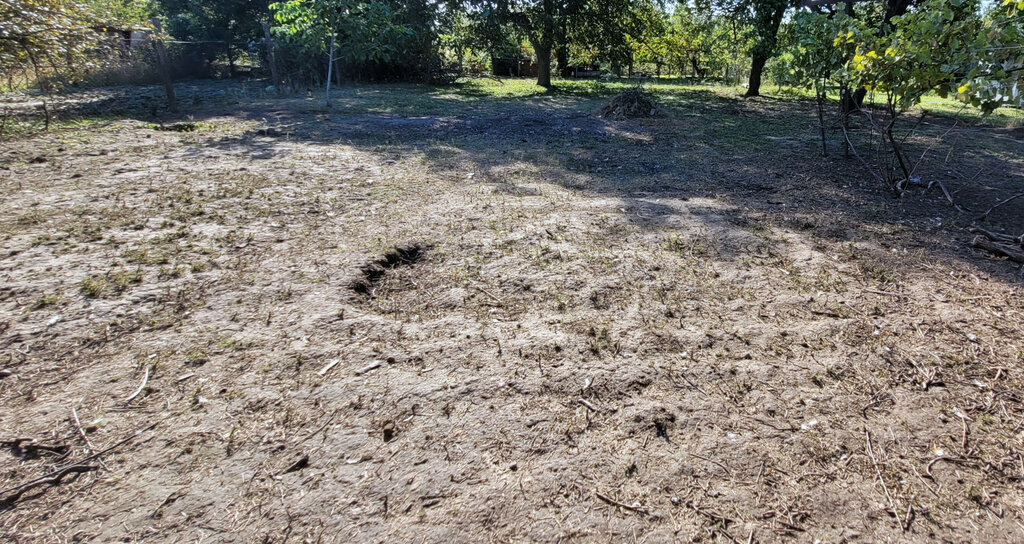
<point>630,104</point>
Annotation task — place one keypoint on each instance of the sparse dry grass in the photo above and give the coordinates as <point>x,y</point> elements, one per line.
<point>663,330</point>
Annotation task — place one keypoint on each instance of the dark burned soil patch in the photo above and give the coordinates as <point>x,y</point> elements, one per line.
<point>373,272</point>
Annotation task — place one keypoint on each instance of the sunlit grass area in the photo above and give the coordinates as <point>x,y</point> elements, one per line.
<point>931,103</point>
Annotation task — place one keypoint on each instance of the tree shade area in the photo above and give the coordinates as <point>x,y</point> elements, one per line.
<point>713,271</point>
<point>979,60</point>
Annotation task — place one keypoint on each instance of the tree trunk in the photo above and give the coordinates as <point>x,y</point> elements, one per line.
<point>562,57</point>
<point>768,17</point>
<point>544,66</point>
<point>756,68</point>
<point>271,61</point>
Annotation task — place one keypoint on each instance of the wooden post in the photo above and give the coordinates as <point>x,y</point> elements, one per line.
<point>271,59</point>
<point>46,116</point>
<point>330,67</point>
<point>164,66</point>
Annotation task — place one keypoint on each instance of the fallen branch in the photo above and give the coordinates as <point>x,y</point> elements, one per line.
<point>53,479</point>
<point>55,476</point>
<point>945,192</point>
<point>996,237</point>
<point>998,204</point>
<point>1009,252</point>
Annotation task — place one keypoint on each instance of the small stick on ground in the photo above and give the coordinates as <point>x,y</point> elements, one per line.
<point>963,442</point>
<point>327,368</point>
<point>955,460</point>
<point>723,467</point>
<point>88,444</point>
<point>885,293</point>
<point>622,505</point>
<point>145,380</point>
<point>589,406</point>
<point>605,498</point>
<point>885,488</point>
<point>490,295</point>
<point>948,196</point>
<point>722,521</point>
<point>372,366</point>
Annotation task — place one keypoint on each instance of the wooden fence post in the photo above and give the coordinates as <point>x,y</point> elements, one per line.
<point>330,66</point>
<point>271,59</point>
<point>164,66</point>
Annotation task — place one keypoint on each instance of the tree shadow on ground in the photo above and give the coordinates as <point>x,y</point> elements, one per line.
<point>758,161</point>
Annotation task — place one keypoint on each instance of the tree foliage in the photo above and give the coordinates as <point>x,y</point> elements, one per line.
<point>46,37</point>
<point>708,38</point>
<point>364,31</point>
<point>941,46</point>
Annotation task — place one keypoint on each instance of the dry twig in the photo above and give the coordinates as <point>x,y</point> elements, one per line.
<point>145,380</point>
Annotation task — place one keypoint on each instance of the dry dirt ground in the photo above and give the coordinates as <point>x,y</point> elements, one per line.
<point>686,329</point>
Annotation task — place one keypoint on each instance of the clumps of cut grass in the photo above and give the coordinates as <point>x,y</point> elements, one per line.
<point>196,356</point>
<point>879,272</point>
<point>110,284</point>
<point>144,256</point>
<point>177,127</point>
<point>698,247</point>
<point>44,301</point>
<point>93,286</point>
<point>170,272</point>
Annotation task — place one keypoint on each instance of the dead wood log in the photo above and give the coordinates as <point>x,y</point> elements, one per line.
<point>1012,253</point>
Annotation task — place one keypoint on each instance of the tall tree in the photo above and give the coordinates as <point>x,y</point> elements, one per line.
<point>766,18</point>
<point>555,24</point>
<point>540,20</point>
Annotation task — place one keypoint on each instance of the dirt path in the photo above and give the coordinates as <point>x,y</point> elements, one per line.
<point>612,331</point>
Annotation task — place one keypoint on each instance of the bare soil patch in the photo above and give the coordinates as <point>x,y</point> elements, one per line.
<point>672,329</point>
